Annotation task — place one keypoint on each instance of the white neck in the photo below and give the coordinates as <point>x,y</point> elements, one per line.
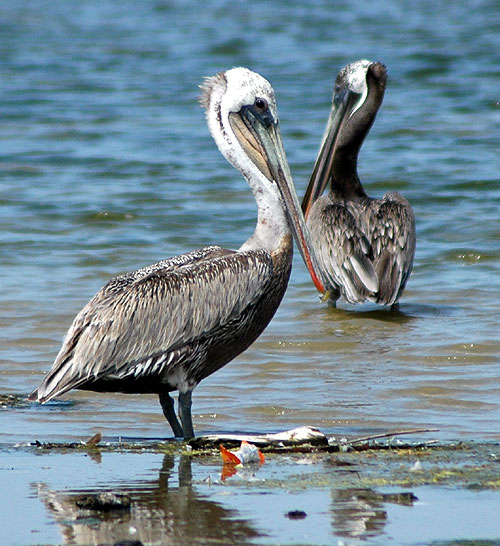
<point>272,223</point>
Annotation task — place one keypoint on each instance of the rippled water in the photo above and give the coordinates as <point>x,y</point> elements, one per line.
<point>107,165</point>
<point>177,500</point>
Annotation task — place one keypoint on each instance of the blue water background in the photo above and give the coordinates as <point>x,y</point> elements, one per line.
<point>106,165</point>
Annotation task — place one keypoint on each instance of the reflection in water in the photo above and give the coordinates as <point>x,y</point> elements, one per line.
<point>244,472</point>
<point>360,513</point>
<point>157,514</point>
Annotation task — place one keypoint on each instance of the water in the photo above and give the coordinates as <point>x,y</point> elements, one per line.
<point>177,500</point>
<point>106,165</point>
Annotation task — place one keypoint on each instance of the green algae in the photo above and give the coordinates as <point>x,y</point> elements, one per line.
<point>374,464</point>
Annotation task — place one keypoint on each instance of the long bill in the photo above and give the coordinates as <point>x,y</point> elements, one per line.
<point>323,165</point>
<point>265,147</point>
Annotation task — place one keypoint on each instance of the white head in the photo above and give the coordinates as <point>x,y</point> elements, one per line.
<point>243,119</point>
<point>354,77</point>
<point>228,93</point>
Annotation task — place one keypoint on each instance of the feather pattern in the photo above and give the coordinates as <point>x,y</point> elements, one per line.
<point>365,246</point>
<point>140,326</point>
<point>169,325</point>
<point>392,228</point>
<point>343,251</point>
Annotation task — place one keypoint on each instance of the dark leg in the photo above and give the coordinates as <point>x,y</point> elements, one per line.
<point>330,296</point>
<point>185,414</point>
<point>167,405</point>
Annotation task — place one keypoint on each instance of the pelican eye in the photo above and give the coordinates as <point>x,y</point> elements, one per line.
<point>260,111</point>
<point>338,94</point>
<point>260,105</point>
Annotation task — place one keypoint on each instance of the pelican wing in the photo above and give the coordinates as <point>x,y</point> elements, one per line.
<point>343,250</point>
<point>153,316</point>
<point>392,227</point>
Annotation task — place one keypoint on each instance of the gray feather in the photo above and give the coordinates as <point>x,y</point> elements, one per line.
<point>145,322</point>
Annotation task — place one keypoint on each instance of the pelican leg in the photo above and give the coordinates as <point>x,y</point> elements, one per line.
<point>167,405</point>
<point>185,414</point>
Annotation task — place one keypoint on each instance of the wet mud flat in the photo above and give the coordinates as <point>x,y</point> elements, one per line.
<point>389,490</point>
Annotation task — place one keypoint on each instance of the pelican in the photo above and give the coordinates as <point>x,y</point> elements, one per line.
<point>169,325</point>
<point>364,246</point>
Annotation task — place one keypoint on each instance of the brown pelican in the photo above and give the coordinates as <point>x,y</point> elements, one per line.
<point>169,325</point>
<point>364,246</point>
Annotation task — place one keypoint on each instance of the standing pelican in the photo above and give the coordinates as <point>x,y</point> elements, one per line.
<point>364,246</point>
<point>169,325</point>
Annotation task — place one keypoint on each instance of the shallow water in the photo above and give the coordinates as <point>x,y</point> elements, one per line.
<point>176,500</point>
<point>107,165</point>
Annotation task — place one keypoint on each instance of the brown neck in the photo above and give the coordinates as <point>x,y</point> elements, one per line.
<point>344,180</point>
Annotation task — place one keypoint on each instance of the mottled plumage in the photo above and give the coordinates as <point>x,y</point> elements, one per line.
<point>364,246</point>
<point>169,325</point>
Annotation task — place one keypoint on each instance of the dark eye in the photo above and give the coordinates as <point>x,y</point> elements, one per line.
<point>261,104</point>
<point>337,94</point>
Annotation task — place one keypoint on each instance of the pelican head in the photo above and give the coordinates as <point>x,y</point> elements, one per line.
<point>243,119</point>
<point>357,96</point>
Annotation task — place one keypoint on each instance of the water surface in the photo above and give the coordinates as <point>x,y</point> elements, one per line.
<point>107,165</point>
